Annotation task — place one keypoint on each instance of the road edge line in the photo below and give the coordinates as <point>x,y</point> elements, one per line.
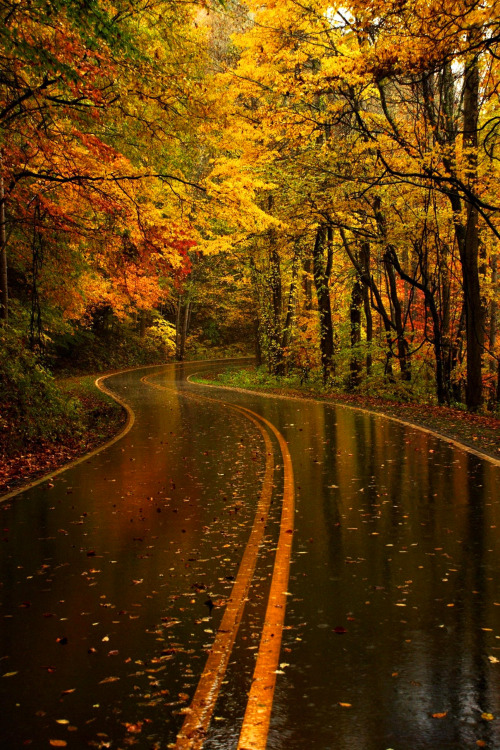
<point>440,436</point>
<point>75,461</point>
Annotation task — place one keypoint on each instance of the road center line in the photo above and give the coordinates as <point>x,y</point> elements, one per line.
<point>197,721</point>
<point>256,721</point>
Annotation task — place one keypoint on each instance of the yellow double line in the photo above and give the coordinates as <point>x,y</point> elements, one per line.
<point>255,728</point>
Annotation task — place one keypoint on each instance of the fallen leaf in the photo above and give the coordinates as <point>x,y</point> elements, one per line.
<point>345,705</point>
<point>58,743</point>
<point>134,728</point>
<point>487,717</point>
<point>440,715</point>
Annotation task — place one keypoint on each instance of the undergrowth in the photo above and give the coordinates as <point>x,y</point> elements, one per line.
<point>258,377</point>
<point>35,409</point>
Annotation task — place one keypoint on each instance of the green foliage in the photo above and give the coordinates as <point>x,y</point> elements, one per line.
<point>110,344</point>
<point>198,349</point>
<point>37,412</point>
<point>258,377</point>
<point>377,385</point>
<point>32,407</point>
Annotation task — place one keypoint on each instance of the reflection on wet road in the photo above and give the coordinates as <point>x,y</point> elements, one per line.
<point>114,582</point>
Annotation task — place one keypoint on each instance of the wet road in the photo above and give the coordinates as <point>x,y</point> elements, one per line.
<point>392,630</point>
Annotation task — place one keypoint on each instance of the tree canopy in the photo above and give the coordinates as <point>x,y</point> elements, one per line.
<point>333,168</point>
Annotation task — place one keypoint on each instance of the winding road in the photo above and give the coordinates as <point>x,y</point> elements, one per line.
<point>238,571</point>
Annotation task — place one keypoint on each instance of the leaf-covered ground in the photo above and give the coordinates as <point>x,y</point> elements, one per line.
<point>99,418</point>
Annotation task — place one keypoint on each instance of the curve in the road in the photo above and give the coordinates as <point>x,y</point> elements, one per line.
<point>263,394</point>
<point>99,383</point>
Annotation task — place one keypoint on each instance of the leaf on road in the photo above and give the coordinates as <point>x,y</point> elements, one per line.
<point>134,728</point>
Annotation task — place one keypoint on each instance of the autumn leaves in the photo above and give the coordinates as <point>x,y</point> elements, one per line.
<point>345,156</point>
<point>95,155</point>
<point>370,134</point>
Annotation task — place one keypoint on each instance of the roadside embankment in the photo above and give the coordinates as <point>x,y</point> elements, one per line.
<point>37,438</point>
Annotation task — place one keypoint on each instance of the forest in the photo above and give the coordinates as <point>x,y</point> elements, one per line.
<point>312,183</point>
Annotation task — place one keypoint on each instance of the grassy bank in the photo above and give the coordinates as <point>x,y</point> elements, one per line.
<point>478,431</point>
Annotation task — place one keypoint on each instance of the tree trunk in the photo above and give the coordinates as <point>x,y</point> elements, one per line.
<point>178,323</point>
<point>397,313</point>
<point>36,265</point>
<point>185,327</point>
<point>274,332</point>
<point>258,348</point>
<point>275,350</point>
<point>364,258</point>
<point>181,328</point>
<point>363,270</point>
<point>258,325</point>
<point>468,244</point>
<point>498,384</point>
<point>308,284</point>
<point>403,356</point>
<point>442,387</point>
<point>355,321</point>
<point>4,288</point>
<point>321,270</point>
<point>494,361</point>
<point>445,285</point>
<point>290,313</point>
